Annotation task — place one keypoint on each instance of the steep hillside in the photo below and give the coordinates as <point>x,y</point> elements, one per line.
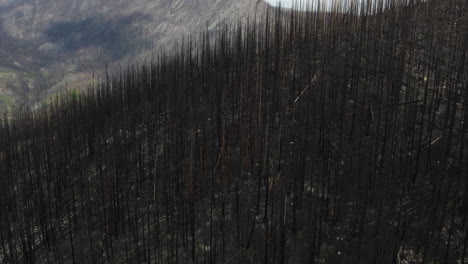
<point>46,46</point>
<point>309,138</point>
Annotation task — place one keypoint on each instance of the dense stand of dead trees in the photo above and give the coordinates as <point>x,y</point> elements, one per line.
<point>313,137</point>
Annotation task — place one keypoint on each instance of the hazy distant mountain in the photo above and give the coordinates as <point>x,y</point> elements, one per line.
<point>48,45</point>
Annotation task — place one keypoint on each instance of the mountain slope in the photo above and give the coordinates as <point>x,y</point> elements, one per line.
<point>310,138</point>
<point>59,43</point>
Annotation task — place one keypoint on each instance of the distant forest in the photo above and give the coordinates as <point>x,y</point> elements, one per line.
<point>308,137</point>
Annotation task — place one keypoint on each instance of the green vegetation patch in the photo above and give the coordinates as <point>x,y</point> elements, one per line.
<point>6,101</point>
<point>7,72</point>
<point>45,74</point>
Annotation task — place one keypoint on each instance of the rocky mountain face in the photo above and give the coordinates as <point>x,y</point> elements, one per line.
<point>47,46</point>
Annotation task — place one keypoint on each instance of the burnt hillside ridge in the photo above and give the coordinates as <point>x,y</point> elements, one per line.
<point>311,137</point>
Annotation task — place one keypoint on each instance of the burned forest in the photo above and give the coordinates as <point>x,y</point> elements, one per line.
<point>325,136</point>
